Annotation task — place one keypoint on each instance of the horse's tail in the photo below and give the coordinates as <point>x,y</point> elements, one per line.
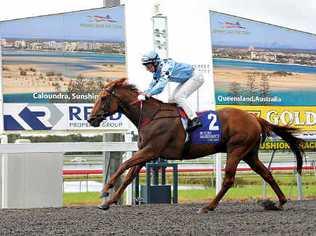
<point>286,133</point>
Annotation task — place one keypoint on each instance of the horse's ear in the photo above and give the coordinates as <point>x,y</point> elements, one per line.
<point>115,83</point>
<point>121,81</point>
<point>103,93</point>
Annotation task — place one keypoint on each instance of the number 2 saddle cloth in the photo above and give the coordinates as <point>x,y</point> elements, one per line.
<point>209,133</point>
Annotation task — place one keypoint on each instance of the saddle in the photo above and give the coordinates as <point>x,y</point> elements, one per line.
<point>209,133</point>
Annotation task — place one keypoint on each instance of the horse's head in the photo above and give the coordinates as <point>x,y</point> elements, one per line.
<point>106,104</point>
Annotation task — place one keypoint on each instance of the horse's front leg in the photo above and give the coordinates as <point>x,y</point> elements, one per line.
<point>139,157</point>
<point>133,171</point>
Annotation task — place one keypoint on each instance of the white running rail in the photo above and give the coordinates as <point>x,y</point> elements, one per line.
<point>68,147</point>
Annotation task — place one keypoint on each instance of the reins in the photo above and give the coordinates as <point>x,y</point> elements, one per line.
<point>141,122</point>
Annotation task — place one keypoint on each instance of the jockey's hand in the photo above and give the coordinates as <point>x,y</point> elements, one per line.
<point>141,97</point>
<point>147,95</point>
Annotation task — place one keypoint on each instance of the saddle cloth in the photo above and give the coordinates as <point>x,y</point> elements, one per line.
<point>209,133</point>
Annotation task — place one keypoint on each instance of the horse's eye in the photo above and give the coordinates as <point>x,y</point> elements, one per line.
<point>103,98</point>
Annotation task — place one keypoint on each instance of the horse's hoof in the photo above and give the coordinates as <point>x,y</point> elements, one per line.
<point>204,210</point>
<point>280,208</point>
<point>282,202</point>
<point>104,194</point>
<point>270,206</point>
<point>104,207</point>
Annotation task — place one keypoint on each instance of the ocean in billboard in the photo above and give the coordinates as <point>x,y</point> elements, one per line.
<point>58,77</point>
<point>260,64</point>
<point>64,58</point>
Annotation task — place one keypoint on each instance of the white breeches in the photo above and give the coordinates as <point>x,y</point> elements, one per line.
<point>183,91</point>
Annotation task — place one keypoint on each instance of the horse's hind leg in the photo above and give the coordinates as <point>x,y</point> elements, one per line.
<point>255,164</point>
<point>229,179</point>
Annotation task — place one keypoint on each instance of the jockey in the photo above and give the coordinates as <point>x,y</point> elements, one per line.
<point>169,70</point>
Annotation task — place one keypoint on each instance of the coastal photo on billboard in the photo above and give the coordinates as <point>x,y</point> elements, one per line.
<point>64,58</point>
<point>258,66</point>
<point>53,68</point>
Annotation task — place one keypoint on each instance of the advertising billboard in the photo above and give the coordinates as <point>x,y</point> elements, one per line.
<point>265,69</point>
<point>53,62</point>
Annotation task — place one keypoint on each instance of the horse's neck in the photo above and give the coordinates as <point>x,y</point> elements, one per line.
<point>130,108</point>
<point>164,106</point>
<point>147,109</point>
<point>135,110</point>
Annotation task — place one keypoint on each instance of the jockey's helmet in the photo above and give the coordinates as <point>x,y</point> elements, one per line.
<point>150,57</point>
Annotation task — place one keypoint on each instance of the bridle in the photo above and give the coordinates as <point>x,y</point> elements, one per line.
<point>107,105</point>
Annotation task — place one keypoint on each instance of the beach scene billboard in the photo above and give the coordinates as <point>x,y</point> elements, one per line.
<point>59,59</point>
<point>265,69</point>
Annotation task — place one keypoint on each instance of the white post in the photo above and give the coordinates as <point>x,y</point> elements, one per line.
<point>264,189</point>
<point>4,175</point>
<point>129,189</point>
<point>299,186</point>
<point>218,172</point>
<point>160,36</point>
<point>189,40</point>
<point>4,140</point>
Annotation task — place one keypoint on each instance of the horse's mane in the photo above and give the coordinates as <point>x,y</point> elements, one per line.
<point>131,87</point>
<point>122,83</point>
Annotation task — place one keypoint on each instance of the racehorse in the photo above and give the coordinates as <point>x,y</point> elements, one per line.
<point>161,134</point>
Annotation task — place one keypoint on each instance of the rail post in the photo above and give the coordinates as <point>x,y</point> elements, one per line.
<point>112,159</point>
<point>218,169</point>
<point>4,174</point>
<point>299,187</point>
<point>264,183</point>
<point>129,190</point>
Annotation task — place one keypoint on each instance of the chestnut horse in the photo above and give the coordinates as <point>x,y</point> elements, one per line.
<point>161,134</point>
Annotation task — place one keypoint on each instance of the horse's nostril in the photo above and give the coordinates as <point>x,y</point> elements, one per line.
<point>90,120</point>
<point>93,121</point>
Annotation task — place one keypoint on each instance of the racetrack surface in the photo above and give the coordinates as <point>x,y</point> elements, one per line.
<point>230,218</point>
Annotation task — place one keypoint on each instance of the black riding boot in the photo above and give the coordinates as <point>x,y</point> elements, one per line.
<point>194,123</point>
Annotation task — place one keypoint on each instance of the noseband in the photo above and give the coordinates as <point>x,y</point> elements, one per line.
<point>107,105</point>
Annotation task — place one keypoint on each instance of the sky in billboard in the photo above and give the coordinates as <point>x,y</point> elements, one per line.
<point>81,25</point>
<point>265,69</point>
<point>59,59</point>
<point>257,34</point>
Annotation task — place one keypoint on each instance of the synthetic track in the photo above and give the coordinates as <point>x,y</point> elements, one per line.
<point>230,218</point>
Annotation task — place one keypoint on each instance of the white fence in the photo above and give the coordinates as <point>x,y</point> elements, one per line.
<point>68,147</point>
<point>27,151</point>
<point>31,173</point>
